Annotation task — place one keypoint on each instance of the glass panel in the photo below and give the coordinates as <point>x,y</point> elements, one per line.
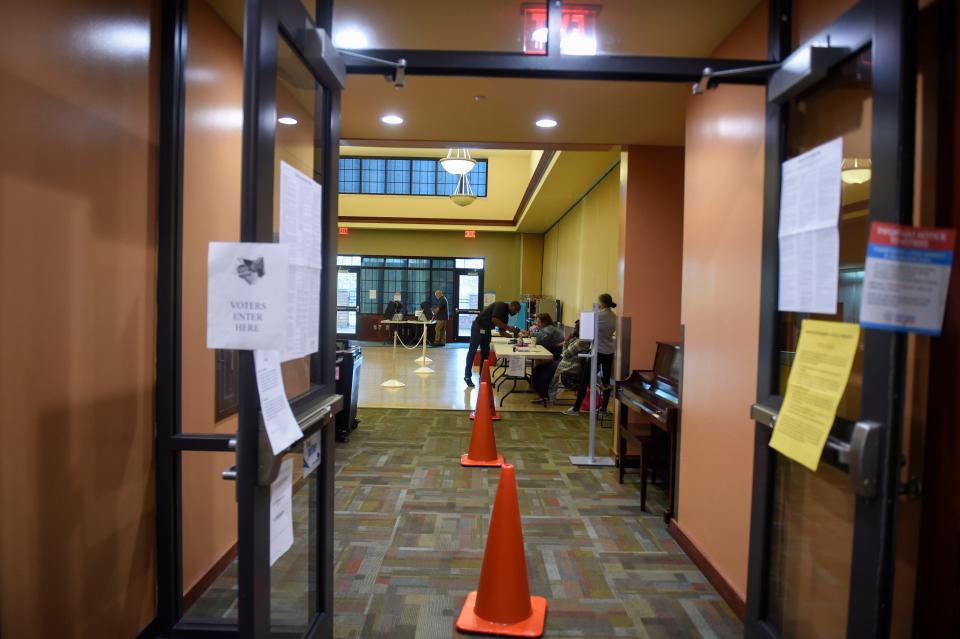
<point>293,578</point>
<point>813,518</point>
<point>398,177</point>
<point>468,295</point>
<point>346,322</point>
<point>464,322</point>
<point>349,175</point>
<point>348,260</point>
<point>437,24</point>
<point>347,288</point>
<point>424,177</point>
<point>442,280</point>
<point>209,515</point>
<point>446,182</point>
<point>372,299</point>
<point>810,553</point>
<point>393,285</point>
<point>471,263</point>
<point>625,27</point>
<point>372,175</point>
<point>297,94</point>
<point>418,290</point>
<point>213,136</point>
<point>478,178</point>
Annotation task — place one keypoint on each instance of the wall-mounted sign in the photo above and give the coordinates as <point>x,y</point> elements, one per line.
<point>470,234</point>
<point>247,295</point>
<point>906,278</point>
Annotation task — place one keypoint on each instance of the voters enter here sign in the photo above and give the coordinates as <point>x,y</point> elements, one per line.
<point>906,279</point>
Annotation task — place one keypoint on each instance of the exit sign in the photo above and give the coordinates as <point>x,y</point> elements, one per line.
<point>344,230</point>
<point>470,234</point>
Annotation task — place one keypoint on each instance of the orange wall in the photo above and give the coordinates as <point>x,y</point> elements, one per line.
<point>211,211</point>
<point>651,248</point>
<point>77,337</point>
<point>722,221</point>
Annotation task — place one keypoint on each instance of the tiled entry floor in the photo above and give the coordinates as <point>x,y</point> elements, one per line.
<point>411,523</point>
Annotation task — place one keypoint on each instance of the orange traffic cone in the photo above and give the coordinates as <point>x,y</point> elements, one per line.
<point>483,445</point>
<point>485,377</point>
<point>502,605</point>
<point>476,359</point>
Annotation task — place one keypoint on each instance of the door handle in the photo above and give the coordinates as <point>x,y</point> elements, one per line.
<point>861,454</point>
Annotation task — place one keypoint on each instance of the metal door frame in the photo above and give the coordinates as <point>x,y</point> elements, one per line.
<point>457,272</point>
<point>264,22</point>
<point>356,309</point>
<point>889,27</point>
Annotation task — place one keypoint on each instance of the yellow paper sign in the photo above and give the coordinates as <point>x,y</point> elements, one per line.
<point>818,378</point>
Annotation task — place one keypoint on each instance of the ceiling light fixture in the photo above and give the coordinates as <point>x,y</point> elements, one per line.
<point>546,123</point>
<point>392,119</point>
<point>289,120</point>
<point>458,162</point>
<point>463,194</point>
<point>855,171</point>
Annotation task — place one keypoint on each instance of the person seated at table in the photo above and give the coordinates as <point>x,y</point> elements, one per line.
<point>563,372</point>
<point>547,334</point>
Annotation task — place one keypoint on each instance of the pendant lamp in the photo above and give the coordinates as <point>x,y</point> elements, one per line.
<point>463,194</point>
<point>855,170</point>
<point>458,162</point>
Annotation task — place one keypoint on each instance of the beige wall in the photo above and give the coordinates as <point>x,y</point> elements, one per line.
<point>580,252</point>
<point>77,336</point>
<point>723,214</point>
<point>501,251</point>
<point>531,263</point>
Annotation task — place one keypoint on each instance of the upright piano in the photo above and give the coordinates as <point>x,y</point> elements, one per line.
<point>655,394</point>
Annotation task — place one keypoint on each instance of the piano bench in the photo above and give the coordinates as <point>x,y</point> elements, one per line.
<point>644,437</point>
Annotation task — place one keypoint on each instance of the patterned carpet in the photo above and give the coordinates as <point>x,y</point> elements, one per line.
<point>411,524</point>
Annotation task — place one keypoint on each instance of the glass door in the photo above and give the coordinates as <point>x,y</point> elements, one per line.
<point>821,544</point>
<point>348,306</point>
<point>469,300</point>
<point>228,564</point>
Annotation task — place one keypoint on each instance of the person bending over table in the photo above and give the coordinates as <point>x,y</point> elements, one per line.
<point>494,316</point>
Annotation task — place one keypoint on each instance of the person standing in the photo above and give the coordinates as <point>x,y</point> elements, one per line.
<point>494,316</point>
<point>441,314</point>
<point>606,328</point>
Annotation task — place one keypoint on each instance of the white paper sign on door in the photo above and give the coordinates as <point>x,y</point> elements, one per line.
<point>906,279</point>
<point>516,367</point>
<point>312,447</point>
<point>281,425</point>
<point>281,512</point>
<point>809,237</point>
<point>246,295</point>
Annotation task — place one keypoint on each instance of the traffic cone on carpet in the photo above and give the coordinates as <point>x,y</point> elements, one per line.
<point>485,377</point>
<point>483,445</point>
<point>501,604</point>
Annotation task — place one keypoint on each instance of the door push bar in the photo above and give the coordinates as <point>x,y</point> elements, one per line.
<point>804,68</point>
<point>861,454</point>
<point>269,463</point>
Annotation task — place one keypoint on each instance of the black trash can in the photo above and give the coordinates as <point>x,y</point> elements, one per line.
<point>349,359</point>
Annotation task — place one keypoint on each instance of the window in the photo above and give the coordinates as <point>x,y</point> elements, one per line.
<point>349,175</point>
<point>373,172</point>
<point>405,176</point>
<point>415,278</point>
<point>470,263</point>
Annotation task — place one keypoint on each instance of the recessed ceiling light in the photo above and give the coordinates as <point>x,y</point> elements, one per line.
<point>546,123</point>
<point>392,119</point>
<point>350,38</point>
<point>287,119</point>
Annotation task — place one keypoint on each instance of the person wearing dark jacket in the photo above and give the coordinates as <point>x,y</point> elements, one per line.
<point>441,314</point>
<point>494,316</point>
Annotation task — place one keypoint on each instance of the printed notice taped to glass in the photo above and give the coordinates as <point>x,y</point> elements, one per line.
<point>281,425</point>
<point>246,295</point>
<point>312,447</point>
<point>907,277</point>
<point>301,229</point>
<point>281,512</point>
<point>817,381</point>
<point>808,236</point>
